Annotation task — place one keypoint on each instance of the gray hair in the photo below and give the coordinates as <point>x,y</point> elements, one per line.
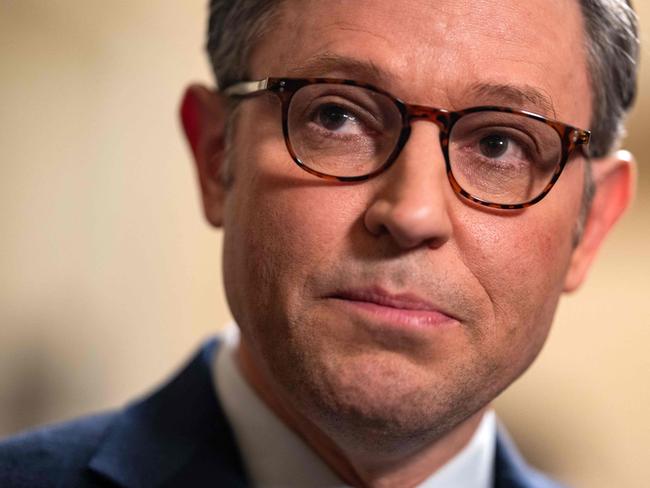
<point>235,26</point>
<point>613,52</point>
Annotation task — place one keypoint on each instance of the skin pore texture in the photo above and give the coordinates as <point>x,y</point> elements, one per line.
<point>383,397</point>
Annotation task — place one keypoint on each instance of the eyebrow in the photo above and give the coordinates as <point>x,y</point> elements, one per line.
<point>521,96</point>
<point>486,93</point>
<point>328,62</point>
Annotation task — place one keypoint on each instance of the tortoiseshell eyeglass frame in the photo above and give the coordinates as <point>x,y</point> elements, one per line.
<point>572,138</point>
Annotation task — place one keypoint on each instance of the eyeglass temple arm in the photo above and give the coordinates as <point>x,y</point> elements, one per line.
<point>582,138</point>
<point>245,88</point>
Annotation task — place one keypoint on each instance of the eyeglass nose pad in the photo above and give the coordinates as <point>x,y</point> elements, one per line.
<point>440,117</point>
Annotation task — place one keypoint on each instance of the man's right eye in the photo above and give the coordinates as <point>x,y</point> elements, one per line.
<point>335,118</point>
<point>494,146</point>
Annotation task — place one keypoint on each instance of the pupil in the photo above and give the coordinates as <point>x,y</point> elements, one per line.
<point>494,146</point>
<point>332,117</point>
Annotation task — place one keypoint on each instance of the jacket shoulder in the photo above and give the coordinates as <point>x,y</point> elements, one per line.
<point>52,456</point>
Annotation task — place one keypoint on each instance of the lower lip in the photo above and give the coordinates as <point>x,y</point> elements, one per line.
<point>399,317</point>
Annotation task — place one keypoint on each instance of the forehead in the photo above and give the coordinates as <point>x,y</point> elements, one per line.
<point>436,52</point>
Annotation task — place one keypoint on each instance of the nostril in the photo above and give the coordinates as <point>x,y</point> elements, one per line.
<point>375,218</point>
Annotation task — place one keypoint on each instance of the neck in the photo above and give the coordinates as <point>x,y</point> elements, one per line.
<point>361,465</point>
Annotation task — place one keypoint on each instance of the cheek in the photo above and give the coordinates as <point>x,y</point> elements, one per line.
<point>282,225</point>
<point>520,263</point>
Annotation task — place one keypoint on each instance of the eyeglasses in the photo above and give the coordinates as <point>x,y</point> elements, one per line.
<point>344,130</point>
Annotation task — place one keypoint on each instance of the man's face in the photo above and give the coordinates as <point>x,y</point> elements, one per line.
<point>328,280</point>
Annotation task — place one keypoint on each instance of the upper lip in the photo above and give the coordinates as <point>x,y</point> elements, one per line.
<point>379,296</point>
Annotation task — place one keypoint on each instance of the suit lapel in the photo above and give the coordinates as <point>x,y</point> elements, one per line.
<point>176,437</point>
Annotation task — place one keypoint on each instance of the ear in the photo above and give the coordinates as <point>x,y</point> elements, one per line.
<point>615,179</point>
<point>203,115</point>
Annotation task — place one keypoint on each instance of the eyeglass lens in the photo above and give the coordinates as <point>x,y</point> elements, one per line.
<point>346,131</point>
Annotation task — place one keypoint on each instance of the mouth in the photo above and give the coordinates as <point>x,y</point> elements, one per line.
<point>402,310</point>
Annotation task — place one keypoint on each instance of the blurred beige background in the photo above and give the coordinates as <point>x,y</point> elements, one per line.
<point>109,277</point>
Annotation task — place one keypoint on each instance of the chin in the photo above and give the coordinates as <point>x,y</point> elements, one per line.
<point>385,398</point>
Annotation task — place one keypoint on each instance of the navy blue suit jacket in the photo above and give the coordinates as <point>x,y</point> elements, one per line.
<point>177,437</point>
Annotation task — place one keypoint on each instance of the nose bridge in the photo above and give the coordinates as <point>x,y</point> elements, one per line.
<point>421,172</point>
<point>422,161</point>
<point>411,204</point>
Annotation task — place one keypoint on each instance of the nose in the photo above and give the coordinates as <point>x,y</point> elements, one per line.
<point>411,199</point>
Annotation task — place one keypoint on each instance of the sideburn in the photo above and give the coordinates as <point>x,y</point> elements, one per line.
<point>588,192</point>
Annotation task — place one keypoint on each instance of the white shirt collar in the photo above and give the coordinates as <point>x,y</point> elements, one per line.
<point>275,456</point>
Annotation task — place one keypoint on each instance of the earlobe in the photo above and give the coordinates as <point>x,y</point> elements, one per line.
<point>615,179</point>
<point>203,116</point>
